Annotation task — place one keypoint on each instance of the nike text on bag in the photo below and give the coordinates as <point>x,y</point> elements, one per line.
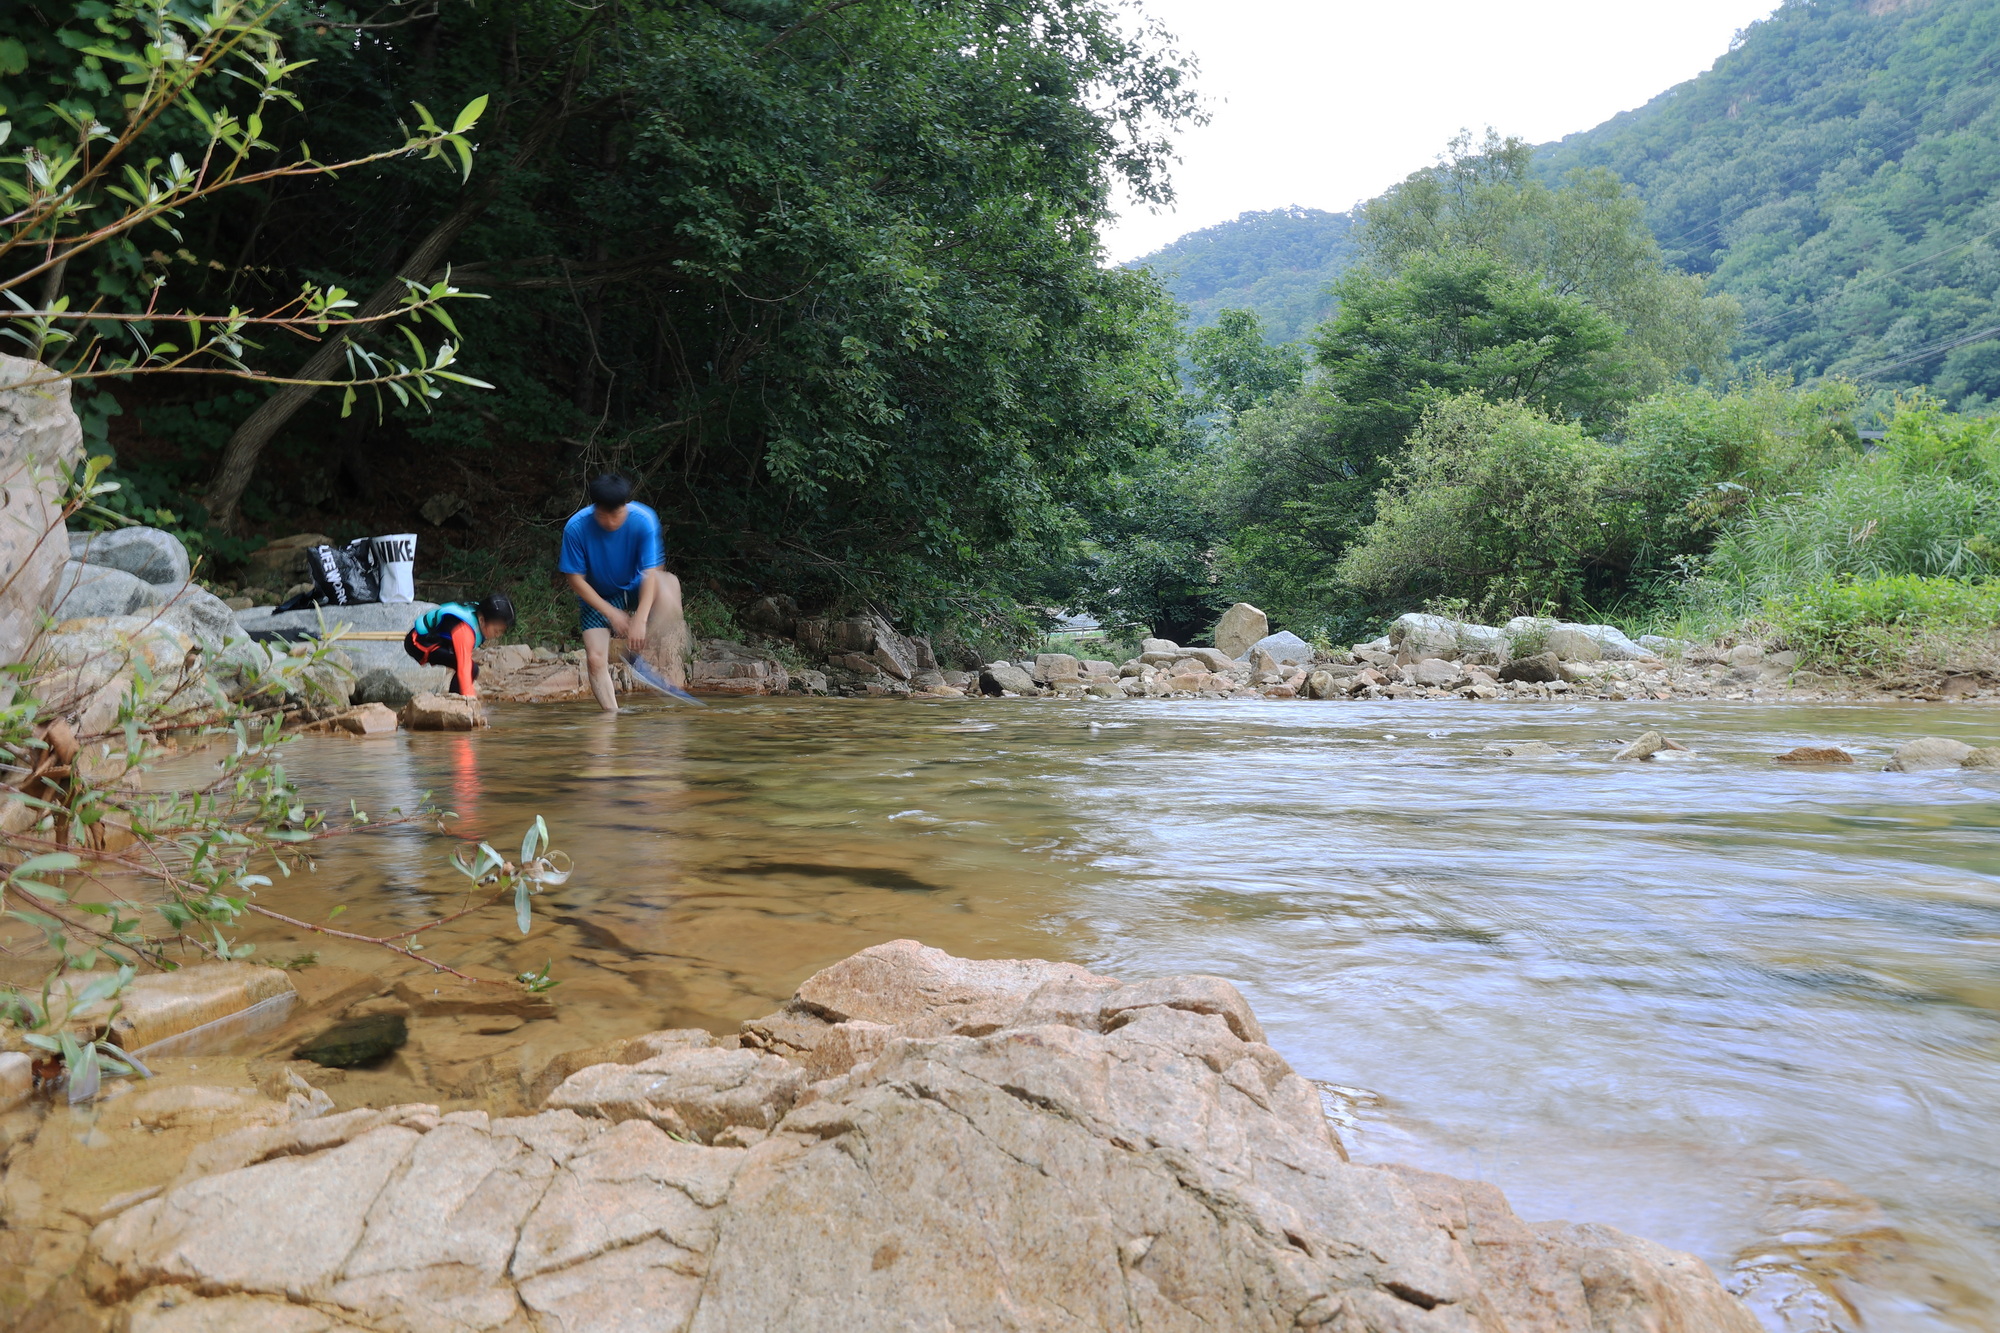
<point>395,567</point>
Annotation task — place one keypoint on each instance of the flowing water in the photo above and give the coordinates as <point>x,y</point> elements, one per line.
<point>1742,1009</point>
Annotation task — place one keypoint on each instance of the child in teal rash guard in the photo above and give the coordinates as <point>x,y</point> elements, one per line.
<point>447,636</point>
<point>612,556</point>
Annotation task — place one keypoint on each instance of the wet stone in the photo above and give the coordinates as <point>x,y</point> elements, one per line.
<point>1814,754</point>
<point>357,1041</point>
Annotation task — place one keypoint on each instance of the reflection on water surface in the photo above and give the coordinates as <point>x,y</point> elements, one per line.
<point>1742,1009</point>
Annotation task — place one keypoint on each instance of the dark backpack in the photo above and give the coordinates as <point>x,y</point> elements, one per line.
<point>341,575</point>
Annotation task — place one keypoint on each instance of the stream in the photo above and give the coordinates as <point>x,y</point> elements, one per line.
<point>1739,1008</point>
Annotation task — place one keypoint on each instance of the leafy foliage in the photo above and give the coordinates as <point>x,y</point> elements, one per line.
<point>1494,504</point>
<point>159,77</point>
<point>1234,368</point>
<point>824,278</point>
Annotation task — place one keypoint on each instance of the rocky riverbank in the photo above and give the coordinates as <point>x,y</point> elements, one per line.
<point>914,1141</point>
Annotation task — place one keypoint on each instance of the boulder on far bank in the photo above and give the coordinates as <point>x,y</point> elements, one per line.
<point>1005,676</point>
<point>1572,645</point>
<point>737,670</point>
<point>93,592</point>
<point>396,685</point>
<point>1542,667</point>
<point>1241,625</point>
<point>1284,646</point>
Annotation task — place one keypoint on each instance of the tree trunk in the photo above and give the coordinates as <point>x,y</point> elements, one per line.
<point>246,443</point>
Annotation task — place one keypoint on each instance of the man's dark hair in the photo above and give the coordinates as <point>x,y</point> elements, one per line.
<point>610,491</point>
<point>497,606</point>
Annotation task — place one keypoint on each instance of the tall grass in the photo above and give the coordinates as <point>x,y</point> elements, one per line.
<point>1868,521</point>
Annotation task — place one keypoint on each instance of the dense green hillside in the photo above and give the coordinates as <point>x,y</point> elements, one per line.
<point>1837,171</point>
<point>1277,263</point>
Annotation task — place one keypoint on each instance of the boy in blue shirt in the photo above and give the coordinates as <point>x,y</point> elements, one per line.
<point>612,556</point>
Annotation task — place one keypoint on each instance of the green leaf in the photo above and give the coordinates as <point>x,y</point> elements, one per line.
<point>466,118</point>
<point>48,861</point>
<point>523,911</point>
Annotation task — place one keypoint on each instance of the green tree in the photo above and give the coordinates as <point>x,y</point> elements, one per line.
<point>1234,368</point>
<point>1298,477</point>
<point>824,278</point>
<point>1586,238</point>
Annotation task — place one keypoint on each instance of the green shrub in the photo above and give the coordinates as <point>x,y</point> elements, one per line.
<point>1877,622</point>
<point>1494,504</point>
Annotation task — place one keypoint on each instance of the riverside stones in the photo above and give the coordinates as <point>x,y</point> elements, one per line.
<point>1434,671</point>
<point>1012,1144</point>
<point>738,670</point>
<point>1240,626</point>
<point>148,553</point>
<point>1005,677</point>
<point>696,1092</point>
<point>1283,647</point>
<point>1571,644</point>
<point>443,712</point>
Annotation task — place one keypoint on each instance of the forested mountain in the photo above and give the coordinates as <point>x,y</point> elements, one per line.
<point>1278,263</point>
<point>1838,171</point>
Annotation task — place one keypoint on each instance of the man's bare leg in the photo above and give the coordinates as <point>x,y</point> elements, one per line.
<point>597,657</point>
<point>666,644</point>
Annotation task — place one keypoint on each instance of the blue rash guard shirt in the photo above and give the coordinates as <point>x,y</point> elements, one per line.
<point>612,562</point>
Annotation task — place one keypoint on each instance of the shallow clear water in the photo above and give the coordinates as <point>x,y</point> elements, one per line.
<point>1739,1008</point>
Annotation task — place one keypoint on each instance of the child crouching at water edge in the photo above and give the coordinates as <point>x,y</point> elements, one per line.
<point>447,636</point>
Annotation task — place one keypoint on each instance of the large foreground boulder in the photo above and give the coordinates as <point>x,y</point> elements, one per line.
<point>1009,1145</point>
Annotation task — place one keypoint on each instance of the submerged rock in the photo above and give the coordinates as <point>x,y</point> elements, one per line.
<point>356,1041</point>
<point>1925,753</point>
<point>1814,754</point>
<point>1649,744</point>
<point>1988,757</point>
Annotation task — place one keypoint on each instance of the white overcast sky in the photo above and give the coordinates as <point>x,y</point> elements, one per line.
<point>1328,102</point>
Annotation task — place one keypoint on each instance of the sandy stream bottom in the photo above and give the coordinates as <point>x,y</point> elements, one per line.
<point>1742,1009</point>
